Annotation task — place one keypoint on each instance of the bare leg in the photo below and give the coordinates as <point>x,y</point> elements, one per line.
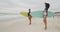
<point>45,22</point>
<point>30,17</point>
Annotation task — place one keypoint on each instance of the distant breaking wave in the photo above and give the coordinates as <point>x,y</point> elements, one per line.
<point>1,14</point>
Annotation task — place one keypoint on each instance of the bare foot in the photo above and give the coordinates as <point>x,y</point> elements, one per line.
<point>45,28</point>
<point>29,23</point>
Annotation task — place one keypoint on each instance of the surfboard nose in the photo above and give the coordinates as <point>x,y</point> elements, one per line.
<point>24,13</point>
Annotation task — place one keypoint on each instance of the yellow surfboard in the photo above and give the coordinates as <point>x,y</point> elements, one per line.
<point>24,13</point>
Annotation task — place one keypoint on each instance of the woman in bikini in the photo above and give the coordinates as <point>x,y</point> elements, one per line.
<point>47,5</point>
<point>29,16</point>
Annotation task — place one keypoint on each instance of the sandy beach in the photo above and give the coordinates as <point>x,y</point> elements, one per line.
<point>20,24</point>
<point>12,21</point>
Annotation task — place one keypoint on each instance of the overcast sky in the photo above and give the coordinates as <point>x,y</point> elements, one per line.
<point>15,6</point>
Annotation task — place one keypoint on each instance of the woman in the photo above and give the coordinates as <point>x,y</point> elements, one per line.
<point>47,5</point>
<point>29,16</point>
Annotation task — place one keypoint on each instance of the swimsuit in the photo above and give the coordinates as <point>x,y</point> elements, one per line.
<point>45,13</point>
<point>29,14</point>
